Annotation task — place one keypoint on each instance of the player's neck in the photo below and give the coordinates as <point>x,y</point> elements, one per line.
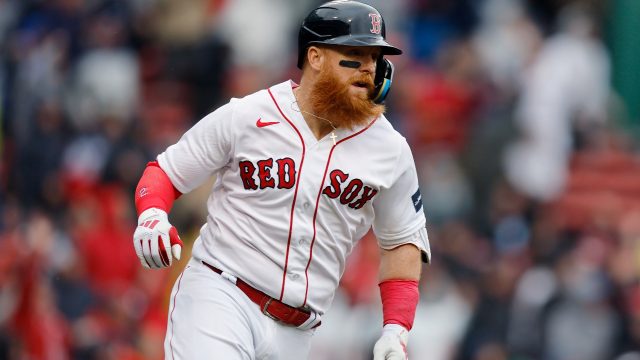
<point>319,125</point>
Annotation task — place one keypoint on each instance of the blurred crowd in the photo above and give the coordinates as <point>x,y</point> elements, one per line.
<point>528,168</point>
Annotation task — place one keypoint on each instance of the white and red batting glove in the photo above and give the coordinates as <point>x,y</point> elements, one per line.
<point>155,240</point>
<point>392,345</point>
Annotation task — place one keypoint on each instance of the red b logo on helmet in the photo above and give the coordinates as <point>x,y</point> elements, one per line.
<point>376,23</point>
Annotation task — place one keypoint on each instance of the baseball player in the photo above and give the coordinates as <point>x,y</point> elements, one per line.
<point>302,173</point>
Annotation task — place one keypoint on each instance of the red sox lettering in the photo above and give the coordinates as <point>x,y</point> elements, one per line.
<point>286,174</point>
<point>353,189</point>
<point>355,194</point>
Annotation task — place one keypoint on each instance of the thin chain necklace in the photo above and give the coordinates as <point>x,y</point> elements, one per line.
<point>298,109</point>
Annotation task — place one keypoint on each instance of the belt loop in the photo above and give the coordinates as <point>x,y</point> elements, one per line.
<point>229,277</point>
<point>312,322</point>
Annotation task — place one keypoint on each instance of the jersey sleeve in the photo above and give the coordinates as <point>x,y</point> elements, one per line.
<point>201,151</point>
<point>399,217</point>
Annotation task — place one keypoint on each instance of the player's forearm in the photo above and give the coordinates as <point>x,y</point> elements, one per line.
<point>401,263</point>
<point>399,274</point>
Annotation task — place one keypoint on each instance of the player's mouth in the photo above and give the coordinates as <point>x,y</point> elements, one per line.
<point>362,86</point>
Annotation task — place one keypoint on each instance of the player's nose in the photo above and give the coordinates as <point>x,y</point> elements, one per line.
<point>368,66</point>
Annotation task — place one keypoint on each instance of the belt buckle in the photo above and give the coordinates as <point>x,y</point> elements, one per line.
<point>265,310</point>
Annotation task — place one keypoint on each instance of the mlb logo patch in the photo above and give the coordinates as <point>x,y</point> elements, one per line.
<point>416,198</point>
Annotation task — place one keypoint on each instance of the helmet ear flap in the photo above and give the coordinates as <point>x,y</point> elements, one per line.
<point>383,80</point>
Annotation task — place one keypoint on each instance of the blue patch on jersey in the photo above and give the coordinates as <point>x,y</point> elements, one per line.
<point>417,200</point>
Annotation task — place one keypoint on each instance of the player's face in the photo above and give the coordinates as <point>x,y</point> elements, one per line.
<point>344,93</point>
<point>359,80</point>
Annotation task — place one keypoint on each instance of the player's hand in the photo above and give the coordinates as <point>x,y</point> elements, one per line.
<point>392,345</point>
<point>155,239</point>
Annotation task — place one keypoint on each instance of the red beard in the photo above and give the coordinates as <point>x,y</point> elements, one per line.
<point>332,99</point>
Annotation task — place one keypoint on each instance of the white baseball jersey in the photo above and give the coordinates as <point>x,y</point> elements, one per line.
<point>287,209</point>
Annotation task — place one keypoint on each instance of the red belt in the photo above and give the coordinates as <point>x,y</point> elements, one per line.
<point>271,307</point>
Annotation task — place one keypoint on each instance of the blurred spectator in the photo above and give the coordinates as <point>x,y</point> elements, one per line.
<point>444,183</point>
<point>105,80</point>
<point>8,17</point>
<point>507,23</point>
<point>487,332</point>
<point>534,292</point>
<point>184,49</point>
<point>38,77</point>
<point>566,88</point>
<point>448,310</point>
<point>244,24</point>
<point>36,176</point>
<point>581,323</point>
<point>442,99</point>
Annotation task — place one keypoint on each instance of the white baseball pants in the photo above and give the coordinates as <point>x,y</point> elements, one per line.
<point>211,318</point>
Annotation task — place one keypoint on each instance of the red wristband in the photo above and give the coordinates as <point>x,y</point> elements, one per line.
<point>155,189</point>
<point>399,301</point>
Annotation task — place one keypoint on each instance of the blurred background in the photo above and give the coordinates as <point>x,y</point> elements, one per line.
<point>524,121</point>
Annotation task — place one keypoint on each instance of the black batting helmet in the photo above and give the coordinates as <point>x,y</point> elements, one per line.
<point>343,22</point>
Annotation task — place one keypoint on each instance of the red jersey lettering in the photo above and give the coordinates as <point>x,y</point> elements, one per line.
<point>336,178</point>
<point>246,174</point>
<point>286,173</point>
<point>264,174</point>
<point>351,191</point>
<point>367,195</point>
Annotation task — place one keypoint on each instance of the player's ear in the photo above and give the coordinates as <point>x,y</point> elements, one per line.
<point>315,57</point>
